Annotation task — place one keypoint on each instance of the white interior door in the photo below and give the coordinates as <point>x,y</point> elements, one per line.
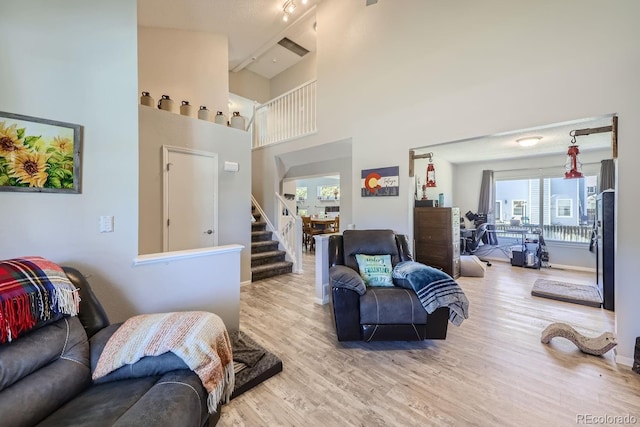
<point>190,199</point>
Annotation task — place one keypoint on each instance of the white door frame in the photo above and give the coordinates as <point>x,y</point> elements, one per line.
<point>166,149</point>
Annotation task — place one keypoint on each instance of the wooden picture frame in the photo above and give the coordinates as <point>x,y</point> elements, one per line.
<point>39,155</point>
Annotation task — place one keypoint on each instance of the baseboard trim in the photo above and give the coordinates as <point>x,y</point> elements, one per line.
<point>245,283</point>
<point>573,267</point>
<point>622,360</point>
<point>322,301</point>
<point>552,267</point>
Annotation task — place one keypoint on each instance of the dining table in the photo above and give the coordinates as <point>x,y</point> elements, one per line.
<point>323,224</point>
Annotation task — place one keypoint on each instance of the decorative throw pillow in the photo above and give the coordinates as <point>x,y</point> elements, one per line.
<point>375,269</point>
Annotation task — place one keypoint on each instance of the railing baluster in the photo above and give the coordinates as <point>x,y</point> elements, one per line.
<point>288,116</point>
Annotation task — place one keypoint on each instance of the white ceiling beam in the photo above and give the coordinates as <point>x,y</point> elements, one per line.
<point>272,42</point>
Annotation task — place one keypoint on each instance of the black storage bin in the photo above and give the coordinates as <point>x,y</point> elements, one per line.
<point>518,258</point>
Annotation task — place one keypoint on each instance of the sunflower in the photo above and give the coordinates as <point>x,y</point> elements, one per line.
<point>65,145</point>
<point>9,141</point>
<point>30,168</point>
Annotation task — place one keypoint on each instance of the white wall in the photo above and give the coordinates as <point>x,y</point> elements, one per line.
<point>445,180</point>
<point>186,65</point>
<point>292,77</point>
<point>391,78</point>
<point>158,128</point>
<point>249,85</point>
<point>76,61</point>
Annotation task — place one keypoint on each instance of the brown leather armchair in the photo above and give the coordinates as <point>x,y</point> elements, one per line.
<point>376,313</point>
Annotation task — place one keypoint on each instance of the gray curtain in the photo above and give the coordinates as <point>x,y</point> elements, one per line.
<point>607,175</point>
<point>487,196</point>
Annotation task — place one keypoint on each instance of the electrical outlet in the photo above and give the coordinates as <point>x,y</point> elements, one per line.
<point>106,224</point>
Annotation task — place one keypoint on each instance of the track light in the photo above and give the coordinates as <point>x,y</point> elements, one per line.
<point>289,6</point>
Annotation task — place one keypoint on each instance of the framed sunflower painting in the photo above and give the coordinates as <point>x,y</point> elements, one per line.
<point>39,155</point>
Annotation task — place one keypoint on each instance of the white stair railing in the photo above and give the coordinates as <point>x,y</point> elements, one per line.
<point>290,115</point>
<point>288,231</point>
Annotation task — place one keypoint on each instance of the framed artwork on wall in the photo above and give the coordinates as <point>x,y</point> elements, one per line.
<point>39,155</point>
<point>380,182</point>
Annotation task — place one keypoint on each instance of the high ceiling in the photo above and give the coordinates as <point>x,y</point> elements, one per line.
<point>555,140</point>
<point>253,27</point>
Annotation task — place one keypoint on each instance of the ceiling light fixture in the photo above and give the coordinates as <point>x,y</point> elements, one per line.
<point>528,141</point>
<point>288,8</point>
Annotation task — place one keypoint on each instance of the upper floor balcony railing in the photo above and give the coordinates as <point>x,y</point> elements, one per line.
<point>290,115</point>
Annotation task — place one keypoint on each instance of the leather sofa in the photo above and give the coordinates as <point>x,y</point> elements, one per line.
<point>376,313</point>
<point>45,378</point>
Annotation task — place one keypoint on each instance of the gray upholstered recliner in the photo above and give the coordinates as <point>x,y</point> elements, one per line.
<point>376,313</point>
<point>45,377</point>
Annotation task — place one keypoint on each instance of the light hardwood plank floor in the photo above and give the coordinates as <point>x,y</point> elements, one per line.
<point>491,371</point>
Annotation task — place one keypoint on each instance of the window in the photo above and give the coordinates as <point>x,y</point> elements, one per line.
<point>301,193</point>
<point>327,192</point>
<point>519,209</point>
<point>564,208</point>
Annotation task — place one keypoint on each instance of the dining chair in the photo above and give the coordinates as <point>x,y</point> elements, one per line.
<point>335,227</point>
<point>308,231</point>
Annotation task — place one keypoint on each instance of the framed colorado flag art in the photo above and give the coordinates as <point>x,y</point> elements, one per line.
<point>380,182</point>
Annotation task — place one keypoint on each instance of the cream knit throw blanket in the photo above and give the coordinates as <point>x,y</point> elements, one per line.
<point>199,338</point>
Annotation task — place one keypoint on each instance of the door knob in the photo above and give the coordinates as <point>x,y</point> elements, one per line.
<point>208,232</point>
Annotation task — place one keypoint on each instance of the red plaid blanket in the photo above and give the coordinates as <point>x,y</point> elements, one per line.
<point>33,289</point>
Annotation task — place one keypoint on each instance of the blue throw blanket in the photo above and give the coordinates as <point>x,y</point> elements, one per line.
<point>434,288</point>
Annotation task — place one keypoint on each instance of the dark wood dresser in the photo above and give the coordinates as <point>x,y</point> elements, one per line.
<point>436,234</point>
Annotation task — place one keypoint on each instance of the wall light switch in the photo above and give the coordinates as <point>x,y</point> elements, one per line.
<point>231,166</point>
<point>106,224</point>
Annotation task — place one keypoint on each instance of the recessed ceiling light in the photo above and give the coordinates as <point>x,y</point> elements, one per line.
<point>528,141</point>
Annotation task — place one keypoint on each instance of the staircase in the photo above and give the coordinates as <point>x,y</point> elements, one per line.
<point>266,259</point>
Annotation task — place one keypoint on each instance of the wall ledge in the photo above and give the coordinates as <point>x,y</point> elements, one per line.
<point>165,257</point>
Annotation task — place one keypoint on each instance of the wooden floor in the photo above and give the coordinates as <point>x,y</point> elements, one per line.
<point>490,371</point>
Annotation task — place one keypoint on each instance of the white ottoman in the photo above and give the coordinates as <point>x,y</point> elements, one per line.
<point>471,266</point>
